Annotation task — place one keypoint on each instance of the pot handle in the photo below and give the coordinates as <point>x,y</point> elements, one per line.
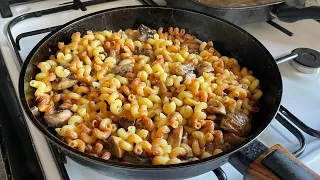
<point>290,14</point>
<point>274,163</point>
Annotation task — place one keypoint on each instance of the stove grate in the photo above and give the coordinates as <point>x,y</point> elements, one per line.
<point>32,33</point>
<point>5,172</point>
<point>280,28</point>
<point>59,156</point>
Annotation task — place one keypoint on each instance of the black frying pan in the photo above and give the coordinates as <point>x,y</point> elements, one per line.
<point>251,11</point>
<point>228,39</point>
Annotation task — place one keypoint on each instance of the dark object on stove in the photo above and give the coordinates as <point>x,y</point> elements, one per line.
<point>307,61</point>
<point>307,57</point>
<point>228,38</point>
<point>280,28</point>
<point>5,9</point>
<point>250,11</point>
<point>18,157</point>
<point>304,60</point>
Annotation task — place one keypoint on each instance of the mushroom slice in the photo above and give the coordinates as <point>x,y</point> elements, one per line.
<point>122,69</point>
<point>183,69</point>
<point>116,151</point>
<point>145,33</point>
<point>215,106</point>
<point>204,66</point>
<point>237,123</point>
<point>175,137</point>
<point>65,83</point>
<point>233,139</point>
<point>132,158</point>
<point>58,118</point>
<point>125,123</point>
<point>192,44</point>
<point>189,77</point>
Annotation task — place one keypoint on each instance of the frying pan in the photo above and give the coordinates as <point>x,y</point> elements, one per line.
<point>228,39</point>
<point>251,11</point>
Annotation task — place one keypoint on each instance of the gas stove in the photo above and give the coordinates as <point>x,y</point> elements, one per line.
<point>19,34</point>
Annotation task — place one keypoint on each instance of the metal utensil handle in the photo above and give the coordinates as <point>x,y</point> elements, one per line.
<point>286,58</point>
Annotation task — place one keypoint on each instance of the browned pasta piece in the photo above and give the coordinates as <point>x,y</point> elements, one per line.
<point>100,134</point>
<point>105,155</point>
<point>79,144</point>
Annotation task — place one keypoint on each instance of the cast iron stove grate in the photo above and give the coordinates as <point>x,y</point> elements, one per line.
<point>59,157</point>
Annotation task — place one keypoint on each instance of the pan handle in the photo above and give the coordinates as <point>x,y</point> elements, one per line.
<point>290,14</point>
<point>273,163</point>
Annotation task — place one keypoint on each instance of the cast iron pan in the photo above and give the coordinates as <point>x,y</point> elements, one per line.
<point>228,39</point>
<point>251,11</point>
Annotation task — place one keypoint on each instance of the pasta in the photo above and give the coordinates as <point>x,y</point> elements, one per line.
<point>166,97</point>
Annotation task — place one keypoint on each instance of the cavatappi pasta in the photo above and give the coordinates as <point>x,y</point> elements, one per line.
<point>145,96</point>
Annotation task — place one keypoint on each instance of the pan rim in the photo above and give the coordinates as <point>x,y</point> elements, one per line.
<point>87,157</point>
<point>237,7</point>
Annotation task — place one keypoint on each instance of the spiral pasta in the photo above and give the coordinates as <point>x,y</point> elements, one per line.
<point>166,97</point>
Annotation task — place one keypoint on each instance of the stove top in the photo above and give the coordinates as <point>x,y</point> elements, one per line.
<point>17,157</point>
<point>277,42</point>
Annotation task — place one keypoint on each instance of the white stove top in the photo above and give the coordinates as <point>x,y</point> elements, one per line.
<point>304,105</point>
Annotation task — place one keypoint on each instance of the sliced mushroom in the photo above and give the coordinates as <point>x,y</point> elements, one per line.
<point>215,106</point>
<point>65,83</point>
<point>122,69</point>
<point>217,126</point>
<point>175,137</point>
<point>192,44</point>
<point>125,123</point>
<point>204,66</point>
<point>233,139</point>
<point>186,70</point>
<point>223,147</point>
<point>132,158</point>
<point>189,77</point>
<point>188,158</point>
<point>116,151</point>
<point>145,33</point>
<point>210,147</point>
<point>145,52</point>
<point>237,123</point>
<point>58,118</point>
<point>183,69</point>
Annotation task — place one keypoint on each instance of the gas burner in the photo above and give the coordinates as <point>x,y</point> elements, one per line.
<point>307,61</point>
